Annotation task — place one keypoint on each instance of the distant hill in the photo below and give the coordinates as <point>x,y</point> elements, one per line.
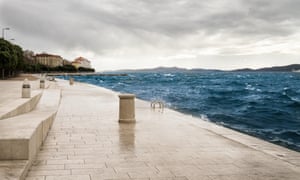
<point>288,68</point>
<point>158,69</point>
<point>163,70</point>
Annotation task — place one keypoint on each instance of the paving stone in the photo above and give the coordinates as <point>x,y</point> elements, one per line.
<point>47,167</point>
<point>71,177</point>
<point>36,178</point>
<point>48,172</point>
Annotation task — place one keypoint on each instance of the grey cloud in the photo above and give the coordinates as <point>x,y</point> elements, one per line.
<point>104,25</point>
<point>275,10</point>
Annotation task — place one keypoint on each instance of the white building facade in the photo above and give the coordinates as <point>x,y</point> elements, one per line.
<point>82,62</point>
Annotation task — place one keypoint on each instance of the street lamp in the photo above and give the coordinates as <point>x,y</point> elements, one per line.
<point>3,29</point>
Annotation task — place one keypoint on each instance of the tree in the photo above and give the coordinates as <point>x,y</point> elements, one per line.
<point>19,53</point>
<point>11,58</point>
<point>4,56</point>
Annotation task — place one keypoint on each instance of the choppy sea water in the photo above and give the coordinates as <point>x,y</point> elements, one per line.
<point>265,105</point>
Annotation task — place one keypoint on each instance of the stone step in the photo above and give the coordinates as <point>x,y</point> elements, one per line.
<point>21,136</point>
<point>18,106</point>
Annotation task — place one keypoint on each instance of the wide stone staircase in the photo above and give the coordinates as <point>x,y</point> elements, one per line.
<point>24,124</point>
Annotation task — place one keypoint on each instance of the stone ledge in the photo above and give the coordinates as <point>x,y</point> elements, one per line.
<point>20,106</point>
<point>21,136</point>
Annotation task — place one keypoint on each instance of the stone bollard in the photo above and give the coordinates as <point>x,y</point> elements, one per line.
<point>71,81</point>
<point>26,91</point>
<point>126,108</point>
<point>42,83</point>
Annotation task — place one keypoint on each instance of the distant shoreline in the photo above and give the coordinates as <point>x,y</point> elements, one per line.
<point>288,68</point>
<point>87,74</point>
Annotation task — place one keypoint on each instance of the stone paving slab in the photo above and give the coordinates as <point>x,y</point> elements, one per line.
<point>87,142</point>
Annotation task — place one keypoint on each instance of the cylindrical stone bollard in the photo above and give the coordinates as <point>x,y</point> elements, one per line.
<point>127,108</point>
<point>71,81</point>
<point>26,91</point>
<point>42,83</point>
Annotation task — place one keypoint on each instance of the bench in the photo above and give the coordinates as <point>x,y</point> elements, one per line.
<point>22,136</point>
<point>20,105</point>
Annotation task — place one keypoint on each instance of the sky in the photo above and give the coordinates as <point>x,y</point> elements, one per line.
<point>133,34</point>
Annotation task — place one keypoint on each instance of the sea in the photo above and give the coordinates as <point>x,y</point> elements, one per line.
<point>262,104</point>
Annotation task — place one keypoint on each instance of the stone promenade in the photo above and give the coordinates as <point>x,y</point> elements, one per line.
<point>86,142</point>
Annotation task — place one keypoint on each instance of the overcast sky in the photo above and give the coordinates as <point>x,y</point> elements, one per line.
<point>119,34</point>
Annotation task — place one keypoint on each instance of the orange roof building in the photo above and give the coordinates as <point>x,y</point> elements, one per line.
<point>81,62</point>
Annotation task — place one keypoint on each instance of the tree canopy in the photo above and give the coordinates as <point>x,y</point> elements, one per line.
<point>11,58</point>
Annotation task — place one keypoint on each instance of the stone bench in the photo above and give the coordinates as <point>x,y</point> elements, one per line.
<point>19,105</point>
<point>21,136</point>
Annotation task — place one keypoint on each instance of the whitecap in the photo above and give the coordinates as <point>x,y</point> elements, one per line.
<point>204,117</point>
<point>250,87</point>
<point>295,99</point>
<point>169,75</point>
<point>119,83</point>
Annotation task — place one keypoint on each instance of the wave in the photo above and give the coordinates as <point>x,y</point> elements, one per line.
<point>169,75</point>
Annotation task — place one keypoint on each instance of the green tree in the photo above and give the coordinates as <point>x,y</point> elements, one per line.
<point>11,58</point>
<point>19,53</point>
<point>5,56</point>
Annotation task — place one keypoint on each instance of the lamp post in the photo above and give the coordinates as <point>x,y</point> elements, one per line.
<point>3,29</point>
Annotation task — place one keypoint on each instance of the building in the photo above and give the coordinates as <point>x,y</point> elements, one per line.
<point>49,60</point>
<point>81,62</point>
